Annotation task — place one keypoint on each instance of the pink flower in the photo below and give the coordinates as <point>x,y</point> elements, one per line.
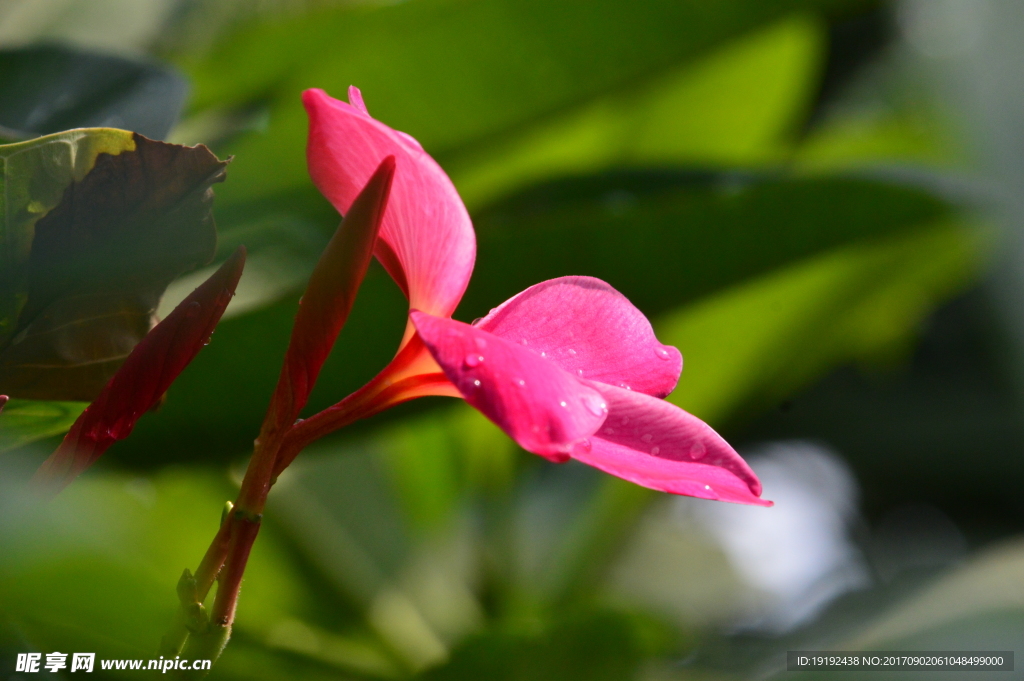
<point>568,368</point>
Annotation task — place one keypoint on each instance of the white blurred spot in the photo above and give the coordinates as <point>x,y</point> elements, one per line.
<point>799,553</point>
<point>942,29</point>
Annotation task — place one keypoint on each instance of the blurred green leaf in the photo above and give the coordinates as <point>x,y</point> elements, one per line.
<point>24,421</point>
<point>590,645</point>
<point>978,605</point>
<point>100,259</point>
<point>749,347</point>
<point>462,75</point>
<point>668,237</point>
<point>737,105</point>
<point>35,177</point>
<point>95,569</point>
<point>49,88</point>
<point>989,583</point>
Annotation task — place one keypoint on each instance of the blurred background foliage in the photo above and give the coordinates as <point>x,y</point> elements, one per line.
<point>817,201</point>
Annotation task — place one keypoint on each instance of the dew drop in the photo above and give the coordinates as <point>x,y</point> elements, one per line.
<point>525,342</point>
<point>585,444</point>
<point>543,354</point>
<point>595,405</point>
<point>707,487</point>
<point>572,353</point>
<point>521,383</point>
<point>476,321</point>
<point>480,342</point>
<point>477,383</point>
<point>562,403</point>
<point>646,437</point>
<point>697,451</point>
<point>662,353</point>
<point>474,360</point>
<point>655,451</point>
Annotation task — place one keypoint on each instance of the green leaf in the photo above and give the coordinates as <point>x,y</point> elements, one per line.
<point>95,569</point>
<point>99,260</point>
<point>751,346</point>
<point>667,237</point>
<point>463,75</point>
<point>589,645</point>
<point>35,177</point>
<point>988,584</point>
<point>25,421</point>
<point>737,105</point>
<point>48,88</point>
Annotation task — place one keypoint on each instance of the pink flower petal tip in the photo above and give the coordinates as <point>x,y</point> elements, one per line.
<point>426,241</point>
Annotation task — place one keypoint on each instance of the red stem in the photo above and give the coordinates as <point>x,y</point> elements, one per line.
<point>242,538</point>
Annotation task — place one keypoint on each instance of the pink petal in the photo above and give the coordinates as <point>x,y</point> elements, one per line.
<point>328,298</point>
<point>543,408</point>
<point>591,330</point>
<point>658,445</point>
<point>426,242</point>
<point>144,377</point>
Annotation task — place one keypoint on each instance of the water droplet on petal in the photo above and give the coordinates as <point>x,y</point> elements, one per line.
<point>655,451</point>
<point>476,321</point>
<point>579,372</point>
<point>697,451</point>
<point>520,382</point>
<point>474,360</point>
<point>572,353</point>
<point>595,405</point>
<point>662,353</point>
<point>562,403</point>
<point>543,354</point>
<point>646,437</point>
<point>707,487</point>
<point>477,383</point>
<point>480,342</point>
<point>525,342</point>
<point>585,444</point>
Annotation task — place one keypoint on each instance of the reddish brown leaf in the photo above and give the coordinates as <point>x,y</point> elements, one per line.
<point>140,382</point>
<point>100,261</point>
